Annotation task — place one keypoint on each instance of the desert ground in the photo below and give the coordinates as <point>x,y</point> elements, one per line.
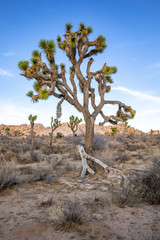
<point>43,198</point>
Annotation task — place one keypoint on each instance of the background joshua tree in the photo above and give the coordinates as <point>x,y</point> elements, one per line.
<point>32,119</point>
<point>126,126</point>
<point>55,123</point>
<point>49,81</point>
<point>7,130</point>
<point>114,131</point>
<point>73,124</point>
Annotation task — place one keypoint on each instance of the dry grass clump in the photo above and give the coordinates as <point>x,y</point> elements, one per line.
<point>7,175</point>
<point>54,149</point>
<point>95,204</point>
<point>29,157</point>
<point>70,215</point>
<point>150,190</point>
<point>143,188</point>
<point>47,203</point>
<point>123,157</point>
<point>100,142</point>
<point>9,156</point>
<point>125,196</point>
<point>59,135</point>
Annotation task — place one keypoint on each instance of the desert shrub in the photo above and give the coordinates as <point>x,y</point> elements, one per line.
<point>9,156</point>
<point>7,175</point>
<point>20,147</point>
<point>99,142</point>
<point>47,150</point>
<point>24,157</point>
<point>135,147</point>
<point>114,145</point>
<point>18,133</point>
<point>124,196</point>
<point>59,135</point>
<point>95,203</point>
<point>47,203</point>
<point>144,187</point>
<point>34,156</point>
<point>123,157</point>
<point>150,190</point>
<point>70,215</point>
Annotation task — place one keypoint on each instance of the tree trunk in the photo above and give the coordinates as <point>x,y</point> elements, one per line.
<point>89,134</point>
<point>32,139</point>
<point>51,137</point>
<point>73,138</point>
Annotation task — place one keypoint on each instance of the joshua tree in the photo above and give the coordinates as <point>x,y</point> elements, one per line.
<point>7,130</point>
<point>32,119</point>
<point>114,131</point>
<point>51,81</point>
<point>126,126</point>
<point>73,124</point>
<point>55,123</point>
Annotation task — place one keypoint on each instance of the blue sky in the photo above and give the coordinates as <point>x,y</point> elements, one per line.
<point>131,28</point>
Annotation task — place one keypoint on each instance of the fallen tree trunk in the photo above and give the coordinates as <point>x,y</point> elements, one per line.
<point>86,168</point>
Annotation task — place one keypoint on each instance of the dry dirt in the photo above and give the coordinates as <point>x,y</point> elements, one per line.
<point>48,179</point>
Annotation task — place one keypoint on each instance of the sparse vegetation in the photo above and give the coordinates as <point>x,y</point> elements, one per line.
<point>70,215</point>
<point>145,187</point>
<point>7,175</point>
<point>53,170</point>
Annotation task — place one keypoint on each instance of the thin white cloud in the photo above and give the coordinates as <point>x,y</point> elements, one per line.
<point>15,114</point>
<point>8,54</point>
<point>149,112</point>
<point>126,44</point>
<point>142,95</point>
<point>5,73</point>
<point>155,66</point>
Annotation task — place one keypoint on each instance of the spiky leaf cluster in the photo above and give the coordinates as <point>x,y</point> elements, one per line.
<point>114,130</point>
<point>85,30</point>
<point>109,70</point>
<point>34,60</point>
<point>23,65</point>
<point>101,45</point>
<point>32,118</point>
<point>30,94</point>
<point>73,40</point>
<point>49,48</point>
<point>74,121</point>
<point>68,26</point>
<point>43,93</point>
<point>37,86</point>
<point>55,122</point>
<point>35,53</point>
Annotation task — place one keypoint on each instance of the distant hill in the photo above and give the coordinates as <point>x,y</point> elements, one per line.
<point>39,129</point>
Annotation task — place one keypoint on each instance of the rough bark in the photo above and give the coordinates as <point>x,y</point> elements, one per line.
<point>32,138</point>
<point>89,134</point>
<point>51,137</point>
